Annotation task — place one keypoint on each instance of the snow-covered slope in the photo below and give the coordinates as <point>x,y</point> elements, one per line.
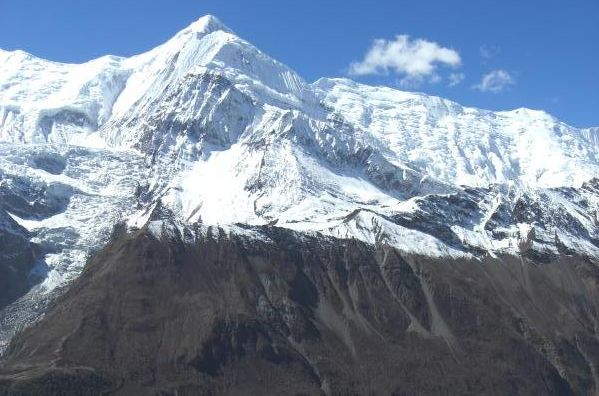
<point>230,135</point>
<point>465,145</point>
<point>43,101</point>
<point>67,200</point>
<point>204,74</point>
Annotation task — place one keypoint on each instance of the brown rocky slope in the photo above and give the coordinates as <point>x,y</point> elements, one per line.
<point>270,311</point>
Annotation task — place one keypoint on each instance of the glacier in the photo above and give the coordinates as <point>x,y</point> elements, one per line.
<point>219,133</point>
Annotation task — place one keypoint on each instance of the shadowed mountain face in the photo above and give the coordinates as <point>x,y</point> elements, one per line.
<point>17,258</point>
<point>173,310</point>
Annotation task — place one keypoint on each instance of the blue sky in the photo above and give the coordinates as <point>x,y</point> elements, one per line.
<point>542,54</point>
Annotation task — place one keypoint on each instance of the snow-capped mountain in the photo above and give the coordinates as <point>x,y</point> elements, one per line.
<point>218,132</point>
<point>240,218</point>
<point>206,66</point>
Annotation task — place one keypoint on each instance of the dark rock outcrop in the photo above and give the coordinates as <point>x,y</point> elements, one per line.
<point>33,199</point>
<point>17,257</point>
<point>269,311</point>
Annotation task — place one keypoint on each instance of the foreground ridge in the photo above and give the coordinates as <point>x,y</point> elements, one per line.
<point>213,310</point>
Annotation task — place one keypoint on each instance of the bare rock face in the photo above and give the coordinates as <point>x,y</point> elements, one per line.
<point>526,240</point>
<point>17,258</point>
<point>270,311</point>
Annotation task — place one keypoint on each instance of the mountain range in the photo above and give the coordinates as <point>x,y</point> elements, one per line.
<point>198,219</point>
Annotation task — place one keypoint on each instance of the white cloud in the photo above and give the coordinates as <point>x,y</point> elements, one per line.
<point>435,78</point>
<point>489,51</point>
<point>410,82</point>
<point>456,78</point>
<point>414,59</point>
<point>414,81</point>
<point>495,81</point>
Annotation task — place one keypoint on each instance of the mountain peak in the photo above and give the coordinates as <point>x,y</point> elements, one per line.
<point>208,24</point>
